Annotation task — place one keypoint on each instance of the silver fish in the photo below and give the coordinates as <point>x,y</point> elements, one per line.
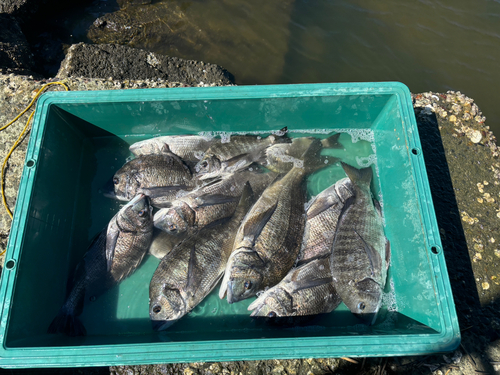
<point>268,241</point>
<point>214,201</point>
<point>282,157</point>
<point>361,252</point>
<point>160,177</point>
<point>188,147</point>
<point>237,154</point>
<point>322,216</point>
<point>192,269</point>
<point>308,288</point>
<point>112,256</point>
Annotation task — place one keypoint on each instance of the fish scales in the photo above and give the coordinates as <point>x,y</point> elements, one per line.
<point>322,216</point>
<point>192,269</point>
<point>188,147</point>
<point>209,203</point>
<point>308,288</point>
<point>277,244</point>
<point>361,252</point>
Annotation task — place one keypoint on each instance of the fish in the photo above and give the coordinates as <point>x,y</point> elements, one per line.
<point>308,288</point>
<point>159,176</point>
<point>113,255</point>
<point>239,153</point>
<point>361,252</point>
<point>322,215</point>
<point>268,241</point>
<point>281,157</point>
<point>163,243</point>
<point>213,201</point>
<point>192,269</point>
<point>189,148</point>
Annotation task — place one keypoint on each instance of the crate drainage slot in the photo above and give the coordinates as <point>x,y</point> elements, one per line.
<point>415,151</point>
<point>30,163</point>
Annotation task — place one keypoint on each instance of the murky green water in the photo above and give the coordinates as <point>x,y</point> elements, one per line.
<point>428,45</point>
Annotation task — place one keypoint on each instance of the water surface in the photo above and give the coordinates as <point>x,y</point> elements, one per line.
<point>436,45</point>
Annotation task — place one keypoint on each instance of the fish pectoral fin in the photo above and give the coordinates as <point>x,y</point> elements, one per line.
<point>252,228</point>
<point>160,191</point>
<point>112,234</point>
<point>193,275</point>
<point>387,253</point>
<point>215,199</point>
<point>307,284</point>
<point>320,205</point>
<point>240,161</point>
<point>373,256</point>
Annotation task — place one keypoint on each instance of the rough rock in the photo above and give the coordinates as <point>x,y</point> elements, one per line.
<point>122,62</point>
<point>15,53</point>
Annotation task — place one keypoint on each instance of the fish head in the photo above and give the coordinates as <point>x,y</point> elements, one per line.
<point>166,305</point>
<point>174,220</point>
<point>273,303</point>
<point>209,166</point>
<point>126,183</point>
<point>136,215</point>
<point>366,300</point>
<point>245,279</point>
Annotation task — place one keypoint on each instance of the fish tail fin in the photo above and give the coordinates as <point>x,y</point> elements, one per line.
<point>311,157</point>
<point>332,141</point>
<point>359,177</point>
<point>280,136</point>
<point>68,324</point>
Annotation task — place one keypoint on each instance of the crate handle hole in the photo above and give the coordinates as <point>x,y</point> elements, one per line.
<point>30,163</point>
<point>435,249</point>
<point>10,264</point>
<point>415,151</point>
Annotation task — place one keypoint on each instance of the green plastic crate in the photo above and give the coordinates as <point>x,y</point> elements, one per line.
<point>79,139</point>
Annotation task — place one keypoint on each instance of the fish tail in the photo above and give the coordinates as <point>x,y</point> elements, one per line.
<point>311,157</point>
<point>68,324</point>
<point>359,177</point>
<point>332,141</point>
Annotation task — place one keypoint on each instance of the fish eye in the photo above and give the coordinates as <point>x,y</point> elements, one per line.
<point>172,227</point>
<point>361,306</point>
<point>116,180</point>
<point>204,164</point>
<point>156,309</point>
<point>271,314</point>
<point>141,213</point>
<point>247,285</point>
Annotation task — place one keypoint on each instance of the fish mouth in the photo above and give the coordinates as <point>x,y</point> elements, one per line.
<point>161,325</point>
<point>229,292</point>
<point>108,190</point>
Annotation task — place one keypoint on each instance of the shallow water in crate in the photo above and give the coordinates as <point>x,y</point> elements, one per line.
<point>124,309</point>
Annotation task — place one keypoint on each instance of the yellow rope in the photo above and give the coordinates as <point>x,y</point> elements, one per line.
<point>18,141</point>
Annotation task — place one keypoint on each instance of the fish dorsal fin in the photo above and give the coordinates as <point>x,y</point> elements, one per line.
<point>373,256</point>
<point>161,191</point>
<point>112,235</point>
<point>307,284</point>
<point>260,219</point>
<point>192,273</point>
